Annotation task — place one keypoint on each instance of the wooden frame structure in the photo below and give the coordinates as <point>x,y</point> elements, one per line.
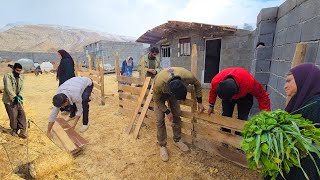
<point>97,76</point>
<point>216,134</point>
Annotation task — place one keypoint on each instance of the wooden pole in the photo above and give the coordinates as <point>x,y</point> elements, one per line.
<point>116,64</point>
<point>194,60</point>
<point>143,70</point>
<point>102,82</point>
<point>89,62</point>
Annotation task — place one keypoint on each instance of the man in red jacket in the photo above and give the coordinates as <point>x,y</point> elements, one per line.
<point>237,86</point>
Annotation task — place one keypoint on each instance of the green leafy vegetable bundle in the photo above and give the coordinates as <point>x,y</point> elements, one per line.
<point>276,141</point>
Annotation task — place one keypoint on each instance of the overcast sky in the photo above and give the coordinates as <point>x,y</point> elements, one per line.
<point>130,17</point>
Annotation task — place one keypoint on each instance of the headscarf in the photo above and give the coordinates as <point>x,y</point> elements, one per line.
<point>307,78</point>
<point>65,57</point>
<point>129,63</point>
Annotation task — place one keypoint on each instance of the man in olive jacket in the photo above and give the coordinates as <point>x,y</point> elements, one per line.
<point>171,85</point>
<point>12,99</point>
<point>152,64</point>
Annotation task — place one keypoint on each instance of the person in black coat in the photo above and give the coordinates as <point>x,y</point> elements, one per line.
<point>302,87</point>
<point>66,67</point>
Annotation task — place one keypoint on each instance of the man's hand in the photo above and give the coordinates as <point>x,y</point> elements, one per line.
<point>73,126</point>
<point>170,117</point>
<point>153,71</point>
<point>200,107</point>
<point>210,111</point>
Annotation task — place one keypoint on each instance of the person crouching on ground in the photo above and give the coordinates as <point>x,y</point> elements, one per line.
<point>171,85</point>
<point>237,86</point>
<point>75,91</point>
<point>12,99</point>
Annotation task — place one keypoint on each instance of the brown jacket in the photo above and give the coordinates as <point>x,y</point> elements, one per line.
<point>161,86</point>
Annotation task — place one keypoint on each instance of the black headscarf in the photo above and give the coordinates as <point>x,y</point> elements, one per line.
<point>307,78</point>
<point>65,57</point>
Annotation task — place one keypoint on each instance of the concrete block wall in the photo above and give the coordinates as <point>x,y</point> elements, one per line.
<point>185,61</point>
<point>39,56</point>
<point>107,50</point>
<point>261,63</point>
<point>237,50</point>
<point>297,21</point>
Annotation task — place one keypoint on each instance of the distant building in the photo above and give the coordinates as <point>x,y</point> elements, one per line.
<point>106,50</point>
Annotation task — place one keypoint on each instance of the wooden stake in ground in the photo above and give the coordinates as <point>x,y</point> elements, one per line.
<point>194,60</point>
<point>143,113</point>
<point>140,100</point>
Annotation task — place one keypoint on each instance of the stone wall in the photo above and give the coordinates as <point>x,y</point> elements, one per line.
<point>107,49</point>
<point>38,56</point>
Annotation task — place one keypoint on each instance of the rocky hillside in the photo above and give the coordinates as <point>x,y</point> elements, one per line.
<point>50,38</point>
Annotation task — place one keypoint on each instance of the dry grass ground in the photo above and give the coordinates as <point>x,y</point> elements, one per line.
<point>111,154</point>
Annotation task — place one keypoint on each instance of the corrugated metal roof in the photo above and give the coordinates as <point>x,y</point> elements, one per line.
<point>157,33</point>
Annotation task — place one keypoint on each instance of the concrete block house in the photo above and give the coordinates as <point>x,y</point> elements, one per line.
<point>218,47</point>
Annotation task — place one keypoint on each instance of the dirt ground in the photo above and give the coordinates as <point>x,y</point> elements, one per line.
<point>111,154</point>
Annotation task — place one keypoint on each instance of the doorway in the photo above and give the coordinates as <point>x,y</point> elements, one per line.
<point>212,59</point>
<point>165,54</point>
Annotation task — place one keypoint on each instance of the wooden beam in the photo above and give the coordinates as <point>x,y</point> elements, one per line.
<point>298,58</point>
<point>116,64</point>
<point>89,61</point>
<point>143,114</point>
<point>141,97</point>
<point>299,54</point>
<point>130,89</point>
<point>227,153</point>
<point>210,133</point>
<point>194,60</point>
<point>143,70</point>
<point>131,80</point>
<point>223,121</point>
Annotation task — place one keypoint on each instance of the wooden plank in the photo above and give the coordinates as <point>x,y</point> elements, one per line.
<point>234,156</point>
<point>211,133</point>
<point>187,114</point>
<point>64,138</point>
<point>222,121</point>
<point>143,71</point>
<point>116,64</point>
<point>143,114</point>
<point>74,136</point>
<point>130,89</point>
<point>95,79</point>
<point>94,72</point>
<point>102,82</point>
<point>194,60</point>
<point>141,97</point>
<point>299,54</point>
<point>96,85</point>
<point>126,112</point>
<point>298,58</point>
<point>131,80</point>
<point>187,102</point>
<point>129,97</point>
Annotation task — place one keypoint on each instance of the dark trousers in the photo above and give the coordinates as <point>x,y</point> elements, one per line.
<point>244,104</point>
<point>17,116</point>
<point>176,123</point>
<point>85,105</point>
